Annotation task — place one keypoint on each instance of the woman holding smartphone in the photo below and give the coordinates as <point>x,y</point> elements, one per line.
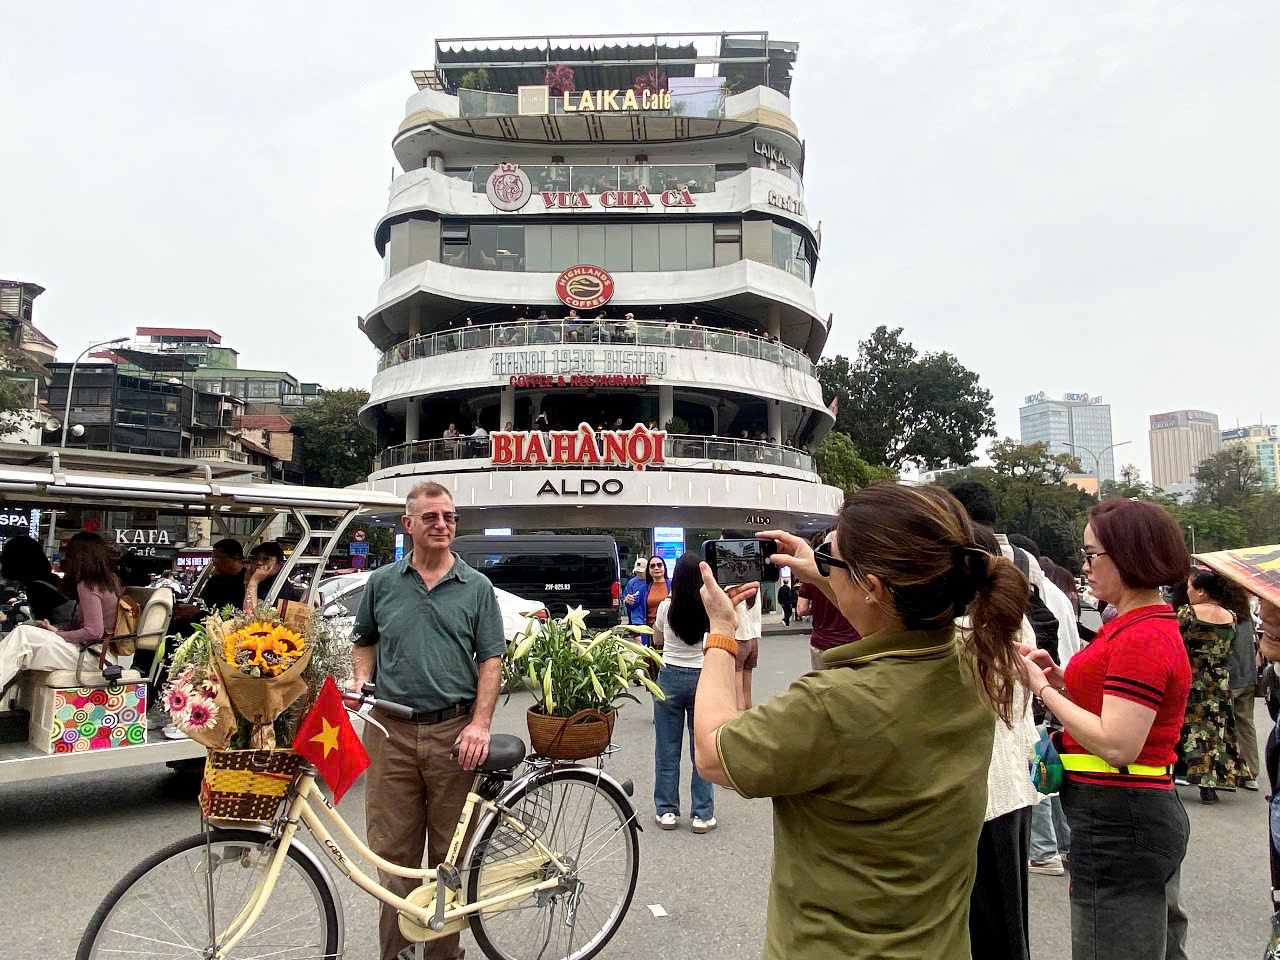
<point>870,763</point>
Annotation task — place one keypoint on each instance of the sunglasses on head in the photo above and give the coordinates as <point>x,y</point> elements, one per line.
<point>823,557</point>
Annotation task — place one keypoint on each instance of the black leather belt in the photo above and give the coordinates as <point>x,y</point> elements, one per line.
<point>439,716</point>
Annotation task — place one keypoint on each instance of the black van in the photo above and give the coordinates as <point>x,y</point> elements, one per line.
<point>558,570</point>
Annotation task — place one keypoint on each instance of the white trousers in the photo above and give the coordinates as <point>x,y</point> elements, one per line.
<point>29,647</point>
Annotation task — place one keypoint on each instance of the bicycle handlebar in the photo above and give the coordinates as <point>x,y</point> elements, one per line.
<point>397,710</point>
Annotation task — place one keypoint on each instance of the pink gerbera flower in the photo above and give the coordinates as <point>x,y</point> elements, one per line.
<point>201,714</point>
<point>177,700</point>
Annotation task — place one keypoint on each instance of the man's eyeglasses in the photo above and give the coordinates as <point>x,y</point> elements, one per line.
<point>431,519</point>
<point>1091,555</point>
<point>823,557</point>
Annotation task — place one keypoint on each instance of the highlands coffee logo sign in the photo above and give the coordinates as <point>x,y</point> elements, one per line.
<point>584,287</point>
<point>508,188</point>
<point>637,448</point>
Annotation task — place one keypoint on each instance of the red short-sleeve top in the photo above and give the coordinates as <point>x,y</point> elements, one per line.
<point>1138,656</point>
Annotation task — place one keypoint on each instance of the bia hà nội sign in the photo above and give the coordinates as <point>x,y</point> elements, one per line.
<point>637,448</point>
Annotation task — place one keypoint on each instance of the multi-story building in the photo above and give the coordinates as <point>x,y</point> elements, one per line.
<point>609,235</point>
<point>1180,441</point>
<point>1078,424</point>
<point>1263,441</point>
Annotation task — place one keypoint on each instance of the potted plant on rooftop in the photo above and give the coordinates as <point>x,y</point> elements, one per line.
<point>577,679</point>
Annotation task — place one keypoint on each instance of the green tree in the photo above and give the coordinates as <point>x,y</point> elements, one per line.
<point>1030,461</point>
<point>1261,516</point>
<point>336,450</point>
<point>1216,528</point>
<point>14,389</point>
<point>840,466</point>
<point>901,407</point>
<point>1228,478</point>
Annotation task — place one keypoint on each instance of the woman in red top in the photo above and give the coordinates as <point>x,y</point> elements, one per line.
<point>1121,701</point>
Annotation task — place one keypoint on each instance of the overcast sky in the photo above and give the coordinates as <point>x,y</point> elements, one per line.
<point>1071,197</point>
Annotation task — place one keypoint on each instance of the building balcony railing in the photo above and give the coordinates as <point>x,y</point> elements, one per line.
<point>676,446</point>
<point>643,333</point>
<point>597,178</point>
<point>219,454</point>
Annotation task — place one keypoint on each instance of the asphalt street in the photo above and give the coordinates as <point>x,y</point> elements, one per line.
<point>65,842</point>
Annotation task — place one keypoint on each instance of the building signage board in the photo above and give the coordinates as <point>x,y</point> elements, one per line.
<point>508,188</point>
<point>589,380</point>
<point>148,537</point>
<point>585,287</point>
<point>535,99</point>
<point>614,199</point>
<point>570,361</point>
<point>772,154</point>
<point>783,201</point>
<point>637,448</point>
<point>586,487</point>
<point>668,543</point>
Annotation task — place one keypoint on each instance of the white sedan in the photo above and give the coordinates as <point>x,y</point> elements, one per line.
<point>340,599</point>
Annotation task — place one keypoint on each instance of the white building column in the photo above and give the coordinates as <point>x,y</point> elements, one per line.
<point>415,320</point>
<point>506,407</point>
<point>775,421</point>
<point>666,406</point>
<point>412,414</point>
<point>775,320</point>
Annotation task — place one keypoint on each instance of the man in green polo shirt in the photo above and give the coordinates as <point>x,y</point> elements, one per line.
<point>429,633</point>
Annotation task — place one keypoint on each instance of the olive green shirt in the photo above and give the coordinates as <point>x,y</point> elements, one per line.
<point>429,641</point>
<point>877,768</point>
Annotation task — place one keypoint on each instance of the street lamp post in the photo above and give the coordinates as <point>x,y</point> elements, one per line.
<point>1097,457</point>
<point>71,379</point>
<point>1193,537</point>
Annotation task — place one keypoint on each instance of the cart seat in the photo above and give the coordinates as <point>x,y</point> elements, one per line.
<point>62,679</point>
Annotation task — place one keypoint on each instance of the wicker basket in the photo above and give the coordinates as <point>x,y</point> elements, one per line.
<point>585,734</point>
<point>247,785</point>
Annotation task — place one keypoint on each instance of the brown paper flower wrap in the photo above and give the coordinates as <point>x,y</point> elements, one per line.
<point>198,704</point>
<point>259,700</point>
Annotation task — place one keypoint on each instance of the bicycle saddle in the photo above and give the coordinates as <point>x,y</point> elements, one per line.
<point>505,751</point>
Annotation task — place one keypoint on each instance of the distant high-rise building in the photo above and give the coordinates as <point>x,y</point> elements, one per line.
<point>1078,424</point>
<point>1263,441</point>
<point>1180,441</point>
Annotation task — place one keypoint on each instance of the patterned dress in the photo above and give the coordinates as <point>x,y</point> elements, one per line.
<point>1207,752</point>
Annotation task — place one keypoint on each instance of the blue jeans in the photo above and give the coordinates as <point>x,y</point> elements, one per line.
<point>1050,834</point>
<point>669,719</point>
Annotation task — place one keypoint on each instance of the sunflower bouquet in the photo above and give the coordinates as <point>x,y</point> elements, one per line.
<point>245,681</point>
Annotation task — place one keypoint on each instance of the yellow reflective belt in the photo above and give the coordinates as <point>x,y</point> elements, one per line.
<point>1088,763</point>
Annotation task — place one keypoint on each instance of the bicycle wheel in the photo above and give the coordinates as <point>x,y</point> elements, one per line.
<point>590,826</point>
<point>160,908</point>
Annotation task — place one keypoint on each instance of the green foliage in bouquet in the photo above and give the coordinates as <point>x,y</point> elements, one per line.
<point>567,668</point>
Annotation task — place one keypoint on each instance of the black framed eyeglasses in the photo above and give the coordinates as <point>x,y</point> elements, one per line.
<point>431,519</point>
<point>823,558</point>
<point>1091,555</point>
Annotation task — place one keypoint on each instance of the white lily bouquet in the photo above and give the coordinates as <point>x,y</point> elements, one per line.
<point>577,679</point>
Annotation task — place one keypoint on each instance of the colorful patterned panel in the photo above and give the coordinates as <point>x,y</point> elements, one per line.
<point>86,718</point>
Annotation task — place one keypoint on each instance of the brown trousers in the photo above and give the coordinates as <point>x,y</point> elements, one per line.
<point>414,795</point>
<point>1243,702</point>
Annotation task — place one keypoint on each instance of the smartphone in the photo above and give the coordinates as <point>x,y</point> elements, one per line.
<point>740,561</point>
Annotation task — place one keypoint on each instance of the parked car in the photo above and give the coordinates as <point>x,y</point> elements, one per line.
<point>558,570</point>
<point>340,600</point>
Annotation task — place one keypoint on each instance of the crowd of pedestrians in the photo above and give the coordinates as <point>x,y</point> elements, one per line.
<point>936,638</point>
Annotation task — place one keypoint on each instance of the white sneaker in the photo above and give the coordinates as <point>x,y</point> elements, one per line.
<point>173,733</point>
<point>667,821</point>
<point>1049,868</point>
<point>703,826</point>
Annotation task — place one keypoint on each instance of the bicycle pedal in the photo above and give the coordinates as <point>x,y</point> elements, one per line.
<point>448,874</point>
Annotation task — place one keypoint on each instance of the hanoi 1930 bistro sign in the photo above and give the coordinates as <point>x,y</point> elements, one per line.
<point>579,361</point>
<point>637,448</point>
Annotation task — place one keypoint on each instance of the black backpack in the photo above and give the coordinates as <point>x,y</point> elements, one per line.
<point>1043,622</point>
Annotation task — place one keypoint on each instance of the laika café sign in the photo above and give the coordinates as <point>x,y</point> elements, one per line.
<point>637,448</point>
<point>536,99</point>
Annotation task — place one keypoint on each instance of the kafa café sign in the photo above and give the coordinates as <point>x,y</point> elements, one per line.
<point>637,448</point>
<point>509,189</point>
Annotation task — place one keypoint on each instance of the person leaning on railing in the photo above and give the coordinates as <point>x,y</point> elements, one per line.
<point>870,763</point>
<point>1121,701</point>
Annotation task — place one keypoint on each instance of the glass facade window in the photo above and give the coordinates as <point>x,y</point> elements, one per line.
<point>619,247</point>
<point>790,252</point>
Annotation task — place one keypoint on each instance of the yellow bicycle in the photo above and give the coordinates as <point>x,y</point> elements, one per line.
<point>549,873</point>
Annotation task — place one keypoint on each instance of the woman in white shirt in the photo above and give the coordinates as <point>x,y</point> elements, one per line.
<point>678,631</point>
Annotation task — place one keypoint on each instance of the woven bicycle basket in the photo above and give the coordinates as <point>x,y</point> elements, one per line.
<point>584,734</point>
<point>247,785</point>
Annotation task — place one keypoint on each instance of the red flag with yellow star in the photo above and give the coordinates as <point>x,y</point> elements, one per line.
<point>327,739</point>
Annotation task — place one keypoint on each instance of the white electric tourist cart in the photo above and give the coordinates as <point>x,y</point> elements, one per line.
<point>53,481</point>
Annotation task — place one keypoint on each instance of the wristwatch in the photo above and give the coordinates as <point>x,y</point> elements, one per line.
<point>719,641</point>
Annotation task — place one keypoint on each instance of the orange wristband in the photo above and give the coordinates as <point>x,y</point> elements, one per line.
<point>718,641</point>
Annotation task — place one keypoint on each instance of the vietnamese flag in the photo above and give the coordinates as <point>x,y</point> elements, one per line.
<point>326,738</point>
